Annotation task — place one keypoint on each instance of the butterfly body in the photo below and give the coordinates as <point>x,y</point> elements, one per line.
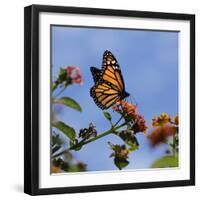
<point>109,84</point>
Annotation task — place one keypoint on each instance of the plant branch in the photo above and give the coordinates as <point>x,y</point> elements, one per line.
<point>83,142</point>
<point>174,146</point>
<point>118,121</point>
<point>61,91</point>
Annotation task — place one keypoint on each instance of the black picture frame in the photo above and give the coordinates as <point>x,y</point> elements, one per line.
<point>31,98</point>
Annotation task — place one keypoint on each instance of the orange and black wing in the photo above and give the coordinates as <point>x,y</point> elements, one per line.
<point>109,84</point>
<point>111,71</point>
<point>96,73</point>
<point>104,94</point>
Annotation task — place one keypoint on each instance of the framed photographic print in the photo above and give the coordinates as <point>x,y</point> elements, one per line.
<point>109,100</point>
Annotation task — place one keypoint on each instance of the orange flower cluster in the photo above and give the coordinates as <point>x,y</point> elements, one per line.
<point>75,74</point>
<point>56,169</point>
<point>120,151</point>
<point>176,120</point>
<point>164,127</point>
<point>126,107</point>
<point>160,134</point>
<point>140,124</point>
<point>163,119</point>
<point>129,110</point>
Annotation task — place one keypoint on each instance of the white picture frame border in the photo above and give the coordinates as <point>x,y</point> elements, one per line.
<point>46,180</point>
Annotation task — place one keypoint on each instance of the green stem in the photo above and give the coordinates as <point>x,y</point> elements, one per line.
<point>82,143</point>
<point>118,121</point>
<point>118,127</point>
<point>54,86</point>
<point>111,130</point>
<point>62,90</point>
<point>95,138</point>
<point>174,146</point>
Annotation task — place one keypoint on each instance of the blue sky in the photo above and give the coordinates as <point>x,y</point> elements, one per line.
<point>149,64</point>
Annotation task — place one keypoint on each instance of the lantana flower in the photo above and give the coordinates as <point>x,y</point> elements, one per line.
<point>120,151</point>
<point>163,119</point>
<point>176,120</point>
<point>160,134</point>
<point>56,169</point>
<point>75,74</point>
<point>89,132</point>
<point>163,127</point>
<point>120,154</point>
<point>126,108</point>
<point>129,111</point>
<point>140,124</point>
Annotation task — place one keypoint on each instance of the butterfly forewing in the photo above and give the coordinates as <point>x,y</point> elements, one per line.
<point>111,71</point>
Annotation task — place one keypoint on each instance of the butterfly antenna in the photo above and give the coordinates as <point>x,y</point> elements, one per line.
<point>134,100</point>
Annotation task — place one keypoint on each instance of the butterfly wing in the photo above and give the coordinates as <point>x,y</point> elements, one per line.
<point>109,83</point>
<point>95,73</point>
<point>104,94</point>
<point>111,71</point>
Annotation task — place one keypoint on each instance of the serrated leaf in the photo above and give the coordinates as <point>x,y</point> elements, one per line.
<point>166,161</point>
<point>67,101</point>
<point>107,116</point>
<point>66,129</point>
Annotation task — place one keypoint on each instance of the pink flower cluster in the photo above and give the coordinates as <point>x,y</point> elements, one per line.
<point>75,74</point>
<point>130,110</point>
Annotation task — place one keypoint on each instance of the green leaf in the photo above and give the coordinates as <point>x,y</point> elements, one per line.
<point>75,145</point>
<point>71,143</point>
<point>55,148</point>
<point>62,75</point>
<point>54,86</point>
<point>121,163</point>
<point>56,140</point>
<point>67,101</point>
<point>63,78</point>
<point>53,99</point>
<point>73,168</point>
<point>77,167</point>
<point>66,129</point>
<point>77,148</point>
<point>107,116</point>
<point>166,161</point>
<point>129,138</point>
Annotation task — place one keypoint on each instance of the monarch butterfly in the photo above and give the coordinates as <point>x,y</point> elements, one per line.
<point>109,84</point>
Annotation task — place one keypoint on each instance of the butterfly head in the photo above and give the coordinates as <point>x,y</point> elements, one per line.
<point>125,94</point>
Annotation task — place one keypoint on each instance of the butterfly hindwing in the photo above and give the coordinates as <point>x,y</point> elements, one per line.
<point>95,73</point>
<point>104,94</point>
